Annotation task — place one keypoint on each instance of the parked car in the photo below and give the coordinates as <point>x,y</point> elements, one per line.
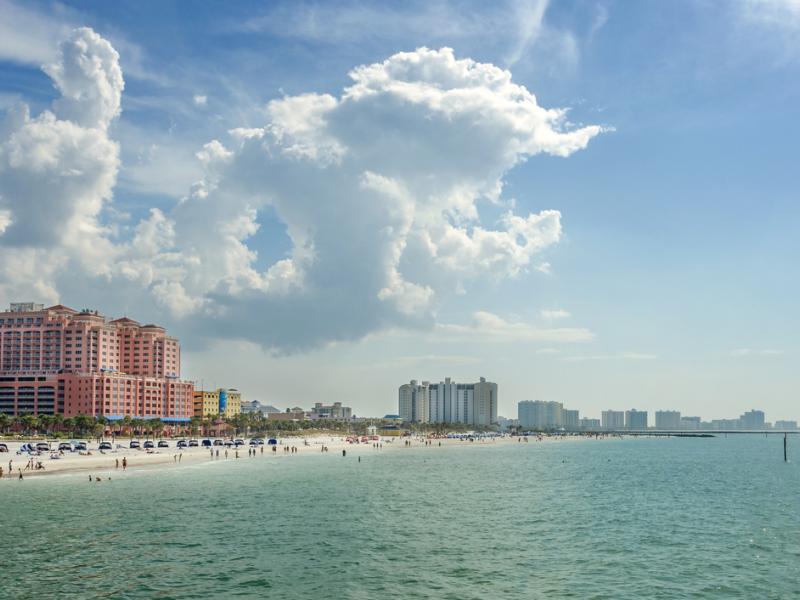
<point>149,444</point>
<point>65,447</point>
<point>104,446</point>
<point>272,442</point>
<point>163,444</point>
<point>238,442</point>
<point>43,447</point>
<point>80,446</point>
<point>206,443</point>
<point>134,444</point>
<point>193,443</point>
<point>3,448</point>
<point>182,444</point>
<point>218,443</point>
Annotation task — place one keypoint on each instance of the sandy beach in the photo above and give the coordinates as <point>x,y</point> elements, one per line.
<point>109,463</point>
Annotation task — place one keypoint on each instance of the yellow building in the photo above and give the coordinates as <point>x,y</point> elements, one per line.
<point>227,403</point>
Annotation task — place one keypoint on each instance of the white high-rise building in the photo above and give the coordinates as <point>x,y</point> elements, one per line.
<point>668,419</point>
<point>540,414</point>
<point>414,406</point>
<point>613,419</point>
<point>449,402</point>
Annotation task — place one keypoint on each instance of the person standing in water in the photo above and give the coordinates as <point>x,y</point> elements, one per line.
<point>124,463</point>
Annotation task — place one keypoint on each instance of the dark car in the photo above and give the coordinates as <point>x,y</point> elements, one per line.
<point>238,442</point>
<point>149,444</point>
<point>3,448</point>
<point>134,444</point>
<point>193,443</point>
<point>206,443</point>
<point>182,444</point>
<point>65,447</point>
<point>81,446</point>
<point>218,443</point>
<point>43,447</point>
<point>272,442</point>
<point>228,443</point>
<point>163,444</point>
<point>104,446</point>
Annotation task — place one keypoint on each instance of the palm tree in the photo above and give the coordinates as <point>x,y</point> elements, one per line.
<point>30,423</point>
<point>4,422</point>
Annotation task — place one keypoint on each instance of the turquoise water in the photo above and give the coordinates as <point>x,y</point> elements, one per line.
<point>646,518</point>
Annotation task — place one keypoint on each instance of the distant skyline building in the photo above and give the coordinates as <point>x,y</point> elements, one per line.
<point>668,419</point>
<point>590,424</point>
<point>331,411</point>
<point>540,414</point>
<point>254,406</point>
<point>690,423</point>
<point>613,419</point>
<point>752,419</point>
<point>570,419</point>
<point>449,402</point>
<point>635,419</point>
<point>60,361</point>
<point>786,425</point>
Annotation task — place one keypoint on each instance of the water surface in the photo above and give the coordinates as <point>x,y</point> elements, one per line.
<point>654,518</point>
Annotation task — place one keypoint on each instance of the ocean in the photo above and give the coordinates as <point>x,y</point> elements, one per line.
<point>616,519</point>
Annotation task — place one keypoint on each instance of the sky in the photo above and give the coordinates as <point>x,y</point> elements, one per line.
<point>588,202</point>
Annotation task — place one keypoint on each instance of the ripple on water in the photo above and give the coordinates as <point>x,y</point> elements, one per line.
<point>715,518</point>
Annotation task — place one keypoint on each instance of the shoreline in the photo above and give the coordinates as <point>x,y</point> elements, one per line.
<point>109,462</point>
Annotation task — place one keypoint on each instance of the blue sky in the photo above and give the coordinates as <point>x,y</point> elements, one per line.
<point>670,285</point>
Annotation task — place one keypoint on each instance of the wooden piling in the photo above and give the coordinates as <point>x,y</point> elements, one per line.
<point>785,455</point>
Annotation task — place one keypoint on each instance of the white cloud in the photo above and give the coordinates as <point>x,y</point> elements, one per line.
<point>489,327</point>
<point>378,188</point>
<point>200,100</point>
<point>29,36</point>
<point>58,169</point>
<point>548,351</point>
<point>784,14</point>
<point>741,352</point>
<point>552,314</point>
<point>620,356</point>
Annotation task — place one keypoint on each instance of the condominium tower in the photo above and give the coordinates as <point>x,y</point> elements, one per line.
<point>448,402</point>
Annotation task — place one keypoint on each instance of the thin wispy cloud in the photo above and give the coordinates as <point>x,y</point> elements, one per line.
<point>555,313</point>
<point>742,352</point>
<point>620,356</point>
<point>490,327</point>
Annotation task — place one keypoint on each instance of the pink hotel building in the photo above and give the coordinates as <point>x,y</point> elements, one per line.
<point>60,361</point>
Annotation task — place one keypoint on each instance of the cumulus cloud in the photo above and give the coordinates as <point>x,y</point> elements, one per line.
<point>380,190</point>
<point>200,100</point>
<point>58,169</point>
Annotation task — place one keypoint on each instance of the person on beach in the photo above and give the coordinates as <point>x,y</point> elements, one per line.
<point>226,453</point>
<point>124,463</point>
<point>1,472</point>
<point>116,463</point>
<point>344,452</point>
<point>20,474</point>
<point>180,456</point>
<point>174,458</point>
<point>237,454</point>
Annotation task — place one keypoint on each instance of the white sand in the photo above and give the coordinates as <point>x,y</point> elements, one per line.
<point>108,462</point>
